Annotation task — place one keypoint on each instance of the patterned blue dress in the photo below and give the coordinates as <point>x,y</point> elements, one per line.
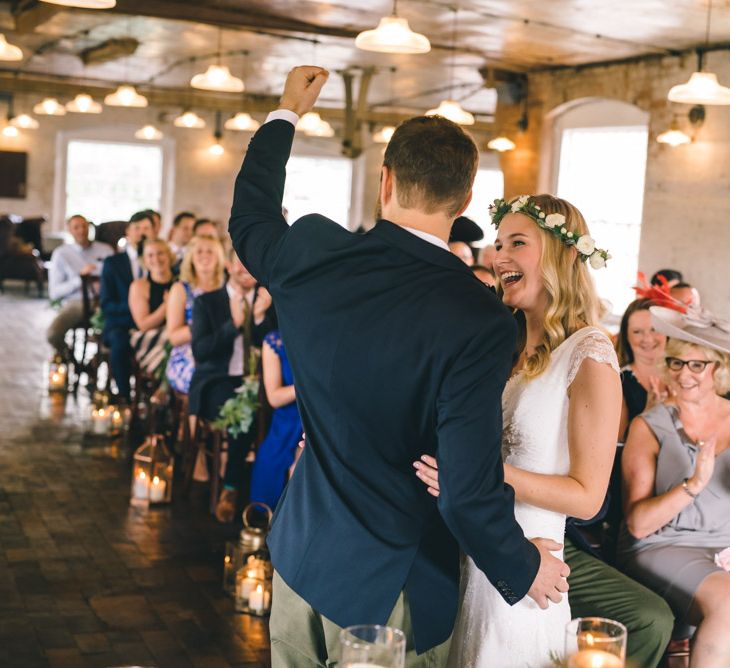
<point>181,365</point>
<point>276,454</point>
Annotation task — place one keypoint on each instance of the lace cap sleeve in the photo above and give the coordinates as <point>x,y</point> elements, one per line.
<point>595,345</point>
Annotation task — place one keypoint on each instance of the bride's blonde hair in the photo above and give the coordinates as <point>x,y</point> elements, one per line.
<point>572,301</point>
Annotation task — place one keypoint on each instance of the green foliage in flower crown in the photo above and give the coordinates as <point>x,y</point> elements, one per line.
<point>237,413</point>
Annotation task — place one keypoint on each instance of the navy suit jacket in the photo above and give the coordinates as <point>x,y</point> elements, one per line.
<point>397,350</point>
<point>116,277</point>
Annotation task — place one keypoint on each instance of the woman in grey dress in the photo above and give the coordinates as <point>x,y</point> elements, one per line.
<point>676,470</point>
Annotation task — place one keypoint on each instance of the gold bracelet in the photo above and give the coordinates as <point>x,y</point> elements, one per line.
<point>686,488</point>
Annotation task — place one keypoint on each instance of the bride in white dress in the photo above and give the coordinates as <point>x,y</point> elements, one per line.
<point>561,413</point>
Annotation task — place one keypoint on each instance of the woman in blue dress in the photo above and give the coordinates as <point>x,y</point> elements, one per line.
<point>276,454</point>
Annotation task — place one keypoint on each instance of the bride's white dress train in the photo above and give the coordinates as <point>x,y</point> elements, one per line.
<point>489,633</point>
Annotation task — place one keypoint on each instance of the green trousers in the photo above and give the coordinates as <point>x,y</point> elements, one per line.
<point>302,638</point>
<point>598,590</point>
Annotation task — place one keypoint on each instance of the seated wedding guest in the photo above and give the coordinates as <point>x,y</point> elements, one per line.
<point>69,263</point>
<point>276,454</point>
<point>677,485</point>
<point>227,323</point>
<point>147,303</point>
<point>671,277</point>
<point>462,251</point>
<point>156,219</point>
<point>181,233</point>
<point>202,271</point>
<point>204,227</point>
<point>487,256</point>
<point>116,276</point>
<point>466,230</point>
<point>686,294</point>
<point>484,274</point>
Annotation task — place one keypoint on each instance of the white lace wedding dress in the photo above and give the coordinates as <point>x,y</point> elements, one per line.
<point>489,633</point>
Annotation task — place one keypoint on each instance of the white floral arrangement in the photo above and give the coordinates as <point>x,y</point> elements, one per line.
<point>552,222</point>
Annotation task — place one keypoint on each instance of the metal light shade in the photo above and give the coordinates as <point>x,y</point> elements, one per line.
<point>189,119</point>
<point>674,137</point>
<point>393,35</point>
<point>84,4</point>
<point>49,107</point>
<point>148,132</point>
<point>216,149</point>
<point>25,122</point>
<point>242,121</point>
<point>384,135</point>
<point>9,51</point>
<point>125,96</point>
<point>83,104</point>
<point>501,144</point>
<point>452,110</point>
<point>702,88</point>
<point>217,77</point>
<point>313,125</point>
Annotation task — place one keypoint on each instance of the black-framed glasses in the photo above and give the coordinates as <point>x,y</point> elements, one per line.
<point>695,366</point>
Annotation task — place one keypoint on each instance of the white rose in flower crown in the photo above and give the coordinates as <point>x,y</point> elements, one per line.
<point>519,203</point>
<point>554,220</point>
<point>597,260</point>
<point>585,245</point>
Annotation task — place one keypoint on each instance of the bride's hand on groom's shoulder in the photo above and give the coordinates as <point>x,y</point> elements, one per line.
<point>551,580</point>
<point>427,469</point>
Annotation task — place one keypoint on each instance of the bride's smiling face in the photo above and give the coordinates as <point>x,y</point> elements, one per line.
<point>517,262</point>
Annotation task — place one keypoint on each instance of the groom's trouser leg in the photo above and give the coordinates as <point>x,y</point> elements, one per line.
<point>301,637</point>
<point>599,590</point>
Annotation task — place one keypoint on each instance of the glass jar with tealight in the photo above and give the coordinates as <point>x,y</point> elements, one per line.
<point>255,573</point>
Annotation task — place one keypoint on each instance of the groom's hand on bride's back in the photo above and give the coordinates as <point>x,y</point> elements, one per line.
<point>551,582</point>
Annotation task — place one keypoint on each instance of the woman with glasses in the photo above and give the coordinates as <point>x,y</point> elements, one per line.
<point>676,471</point>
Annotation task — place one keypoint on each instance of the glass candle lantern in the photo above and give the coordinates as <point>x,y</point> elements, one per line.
<point>254,576</point>
<point>57,375</point>
<point>101,420</point>
<point>152,473</point>
<point>595,642</point>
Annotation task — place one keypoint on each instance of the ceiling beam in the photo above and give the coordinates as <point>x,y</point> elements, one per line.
<point>179,98</point>
<point>30,14</point>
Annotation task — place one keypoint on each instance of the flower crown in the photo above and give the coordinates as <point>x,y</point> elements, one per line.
<point>552,222</point>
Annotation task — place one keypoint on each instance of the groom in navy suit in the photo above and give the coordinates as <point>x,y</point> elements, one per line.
<point>397,349</point>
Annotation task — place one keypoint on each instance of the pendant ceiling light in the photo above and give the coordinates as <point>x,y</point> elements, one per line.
<point>313,125</point>
<point>674,136</point>
<point>384,135</point>
<point>125,96</point>
<point>189,119</point>
<point>83,104</point>
<point>451,109</point>
<point>218,77</point>
<point>25,122</point>
<point>50,106</point>
<point>9,51</point>
<point>10,131</point>
<point>148,132</point>
<point>216,148</point>
<point>702,87</point>
<point>242,121</point>
<point>501,144</point>
<point>393,35</point>
<point>84,4</point>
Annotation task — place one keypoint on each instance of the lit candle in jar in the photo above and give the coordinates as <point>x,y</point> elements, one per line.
<point>594,658</point>
<point>57,379</point>
<point>157,489</point>
<point>245,587</point>
<point>117,419</point>
<point>258,601</point>
<point>141,488</point>
<point>100,420</point>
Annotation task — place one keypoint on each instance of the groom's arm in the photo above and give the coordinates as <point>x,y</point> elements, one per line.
<point>475,502</point>
<point>257,226</point>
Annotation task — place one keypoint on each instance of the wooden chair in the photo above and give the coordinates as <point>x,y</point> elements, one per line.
<point>86,334</point>
<point>207,440</point>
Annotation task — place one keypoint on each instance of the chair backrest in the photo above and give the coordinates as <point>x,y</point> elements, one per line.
<point>90,295</point>
<point>111,232</point>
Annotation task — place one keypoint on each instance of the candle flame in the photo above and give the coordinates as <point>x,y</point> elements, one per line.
<point>102,412</point>
<point>142,475</point>
<point>227,559</point>
<point>259,589</point>
<point>590,640</point>
<point>156,480</point>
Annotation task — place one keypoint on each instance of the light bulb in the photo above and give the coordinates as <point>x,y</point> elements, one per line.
<point>216,149</point>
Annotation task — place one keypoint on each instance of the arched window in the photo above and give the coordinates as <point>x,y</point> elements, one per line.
<point>597,161</point>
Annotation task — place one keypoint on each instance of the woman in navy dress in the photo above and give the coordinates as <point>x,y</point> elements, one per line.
<point>276,454</point>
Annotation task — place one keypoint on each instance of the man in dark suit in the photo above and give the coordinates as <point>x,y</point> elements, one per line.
<point>397,349</point>
<point>117,274</point>
<point>226,324</point>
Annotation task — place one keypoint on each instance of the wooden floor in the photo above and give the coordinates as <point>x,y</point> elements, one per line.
<point>84,579</point>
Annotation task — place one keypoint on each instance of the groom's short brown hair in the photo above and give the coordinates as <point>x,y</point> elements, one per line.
<point>434,163</point>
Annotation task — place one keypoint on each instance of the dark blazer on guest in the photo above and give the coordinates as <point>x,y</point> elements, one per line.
<point>397,350</point>
<point>213,334</point>
<point>116,277</point>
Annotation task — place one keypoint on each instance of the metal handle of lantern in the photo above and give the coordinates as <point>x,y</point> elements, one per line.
<point>252,506</point>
